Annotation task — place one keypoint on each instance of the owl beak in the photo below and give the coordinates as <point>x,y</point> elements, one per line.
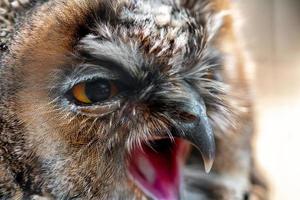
<point>201,136</point>
<point>198,131</point>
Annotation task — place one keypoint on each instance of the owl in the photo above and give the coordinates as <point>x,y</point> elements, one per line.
<point>126,99</point>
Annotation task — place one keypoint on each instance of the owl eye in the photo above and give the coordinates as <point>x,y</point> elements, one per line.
<point>94,91</point>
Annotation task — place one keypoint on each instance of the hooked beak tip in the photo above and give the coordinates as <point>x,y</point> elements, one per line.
<point>208,163</point>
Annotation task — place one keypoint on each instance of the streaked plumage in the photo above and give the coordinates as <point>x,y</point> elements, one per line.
<point>173,70</point>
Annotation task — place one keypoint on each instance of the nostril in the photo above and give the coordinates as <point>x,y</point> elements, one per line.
<point>187,117</point>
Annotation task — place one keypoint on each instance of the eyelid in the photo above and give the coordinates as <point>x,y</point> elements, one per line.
<point>97,71</point>
<point>99,110</point>
<point>88,72</point>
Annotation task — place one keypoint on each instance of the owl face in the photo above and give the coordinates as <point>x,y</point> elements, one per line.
<point>115,94</point>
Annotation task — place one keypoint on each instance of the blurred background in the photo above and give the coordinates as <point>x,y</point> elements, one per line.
<point>271,30</point>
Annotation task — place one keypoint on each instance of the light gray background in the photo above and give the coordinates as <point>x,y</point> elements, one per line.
<point>271,30</point>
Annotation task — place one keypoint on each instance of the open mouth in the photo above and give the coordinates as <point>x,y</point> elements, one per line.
<point>156,167</point>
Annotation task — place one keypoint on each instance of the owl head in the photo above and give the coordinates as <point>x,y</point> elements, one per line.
<point>113,95</point>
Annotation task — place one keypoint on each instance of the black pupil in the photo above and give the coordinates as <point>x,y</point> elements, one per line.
<point>98,90</point>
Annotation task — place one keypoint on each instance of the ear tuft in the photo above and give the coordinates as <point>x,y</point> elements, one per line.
<point>212,13</point>
<point>215,22</point>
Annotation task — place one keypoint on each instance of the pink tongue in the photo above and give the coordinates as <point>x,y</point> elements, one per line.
<point>158,173</point>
